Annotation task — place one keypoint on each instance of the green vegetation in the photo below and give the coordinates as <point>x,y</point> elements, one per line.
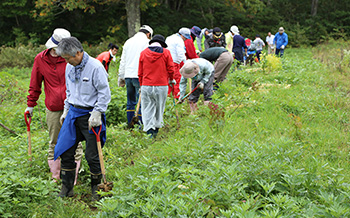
<point>276,145</point>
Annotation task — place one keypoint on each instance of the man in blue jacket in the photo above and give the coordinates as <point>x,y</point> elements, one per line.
<point>281,41</point>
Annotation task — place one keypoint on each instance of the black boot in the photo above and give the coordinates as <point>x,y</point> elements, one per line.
<point>67,177</point>
<point>95,180</point>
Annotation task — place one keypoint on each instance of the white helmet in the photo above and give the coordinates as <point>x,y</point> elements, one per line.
<point>234,29</point>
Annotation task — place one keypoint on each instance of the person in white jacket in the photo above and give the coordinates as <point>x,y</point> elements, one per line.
<point>177,50</point>
<point>129,66</point>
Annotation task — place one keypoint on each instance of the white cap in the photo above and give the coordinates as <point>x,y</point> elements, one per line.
<point>147,28</point>
<point>234,29</point>
<point>281,30</point>
<point>185,32</point>
<point>57,36</point>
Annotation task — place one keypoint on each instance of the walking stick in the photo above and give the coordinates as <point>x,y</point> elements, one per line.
<point>29,139</point>
<point>177,114</point>
<point>105,186</point>
<point>186,96</point>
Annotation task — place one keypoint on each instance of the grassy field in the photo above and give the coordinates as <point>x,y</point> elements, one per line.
<point>275,143</point>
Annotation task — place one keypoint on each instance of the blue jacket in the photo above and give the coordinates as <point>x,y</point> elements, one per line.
<point>280,39</point>
<point>67,136</point>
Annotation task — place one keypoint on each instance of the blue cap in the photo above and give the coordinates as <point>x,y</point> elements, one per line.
<point>185,32</point>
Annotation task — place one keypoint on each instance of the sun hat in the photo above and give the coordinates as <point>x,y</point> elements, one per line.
<point>281,30</point>
<point>147,28</point>
<point>185,32</point>
<point>57,36</point>
<point>159,38</point>
<point>189,69</point>
<point>195,30</point>
<point>234,29</point>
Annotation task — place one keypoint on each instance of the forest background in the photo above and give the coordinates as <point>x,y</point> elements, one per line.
<point>307,22</point>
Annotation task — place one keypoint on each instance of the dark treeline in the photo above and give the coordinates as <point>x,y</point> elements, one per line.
<point>307,22</point>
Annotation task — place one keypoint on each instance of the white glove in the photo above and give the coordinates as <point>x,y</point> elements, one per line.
<point>282,47</point>
<point>172,82</point>
<point>95,119</point>
<point>30,110</point>
<point>63,116</point>
<point>201,85</point>
<point>121,82</point>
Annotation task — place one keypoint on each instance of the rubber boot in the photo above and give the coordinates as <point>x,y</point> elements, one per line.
<point>152,133</point>
<point>67,183</point>
<point>95,180</point>
<point>77,171</point>
<point>206,103</point>
<point>55,169</point>
<point>129,115</point>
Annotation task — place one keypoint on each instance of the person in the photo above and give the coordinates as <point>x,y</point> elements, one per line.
<point>270,43</point>
<point>197,41</point>
<point>259,44</point>
<point>87,98</point>
<point>217,39</point>
<point>49,68</point>
<point>281,41</point>
<point>177,50</point>
<point>238,45</point>
<point>205,36</point>
<point>156,70</point>
<point>106,57</point>
<point>128,69</point>
<point>229,41</point>
<point>223,62</point>
<point>189,43</point>
<point>202,73</point>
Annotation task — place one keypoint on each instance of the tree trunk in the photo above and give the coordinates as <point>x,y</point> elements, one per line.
<point>314,5</point>
<point>133,16</point>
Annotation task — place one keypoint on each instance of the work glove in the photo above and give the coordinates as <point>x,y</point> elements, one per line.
<point>95,119</point>
<point>201,85</point>
<point>172,82</point>
<point>121,82</point>
<point>63,116</point>
<point>30,110</point>
<point>180,98</point>
<point>282,47</point>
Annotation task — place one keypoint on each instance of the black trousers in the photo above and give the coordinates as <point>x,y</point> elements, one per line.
<point>91,153</point>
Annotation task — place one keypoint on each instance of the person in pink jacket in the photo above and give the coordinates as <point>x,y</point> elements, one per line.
<point>49,68</point>
<point>156,71</point>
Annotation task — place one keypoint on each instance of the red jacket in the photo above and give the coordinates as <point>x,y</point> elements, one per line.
<point>53,75</point>
<point>190,49</point>
<point>105,58</point>
<point>155,69</point>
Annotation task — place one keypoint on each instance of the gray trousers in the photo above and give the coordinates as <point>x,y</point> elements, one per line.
<point>153,100</point>
<point>207,90</point>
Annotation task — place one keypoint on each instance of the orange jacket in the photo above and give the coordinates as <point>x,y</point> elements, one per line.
<point>105,58</point>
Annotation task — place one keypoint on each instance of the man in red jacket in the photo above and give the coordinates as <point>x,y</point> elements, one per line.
<point>50,68</point>
<point>156,71</point>
<point>106,57</point>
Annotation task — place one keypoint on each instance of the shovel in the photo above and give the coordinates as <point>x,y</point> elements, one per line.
<point>105,186</point>
<point>136,119</point>
<point>29,138</point>
<point>186,96</point>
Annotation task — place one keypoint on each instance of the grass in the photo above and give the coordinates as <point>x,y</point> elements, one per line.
<point>281,150</point>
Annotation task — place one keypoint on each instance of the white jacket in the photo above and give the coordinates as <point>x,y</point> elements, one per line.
<point>176,47</point>
<point>129,62</point>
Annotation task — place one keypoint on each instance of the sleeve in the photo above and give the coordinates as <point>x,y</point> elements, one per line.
<point>66,103</point>
<point>140,71</point>
<point>223,40</point>
<point>275,40</point>
<point>210,42</point>
<point>100,82</point>
<point>169,66</point>
<point>199,43</point>
<point>36,79</point>
<point>209,69</point>
<point>183,86</point>
<point>244,45</point>
<point>286,41</point>
<point>122,63</point>
<point>181,51</point>
<point>190,49</point>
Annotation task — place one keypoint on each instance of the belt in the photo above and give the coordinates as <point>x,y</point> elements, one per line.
<point>81,107</point>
